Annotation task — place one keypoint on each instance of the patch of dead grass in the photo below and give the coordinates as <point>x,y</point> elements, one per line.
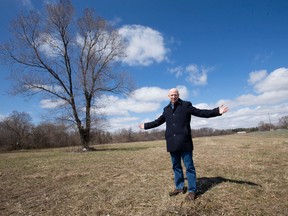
<point>237,175</point>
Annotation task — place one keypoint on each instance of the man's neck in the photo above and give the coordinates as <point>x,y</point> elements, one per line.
<point>174,102</point>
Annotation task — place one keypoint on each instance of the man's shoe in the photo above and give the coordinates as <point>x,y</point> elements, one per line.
<point>177,191</point>
<point>190,197</point>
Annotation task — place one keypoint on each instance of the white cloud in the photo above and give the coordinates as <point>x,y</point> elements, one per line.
<point>244,117</point>
<point>156,94</point>
<point>183,92</point>
<point>178,71</point>
<point>38,88</point>
<point>101,44</point>
<point>2,117</point>
<point>115,106</point>
<point>269,97</point>
<point>257,76</point>
<point>122,112</point>
<point>51,104</point>
<point>270,102</point>
<point>49,45</point>
<point>203,106</point>
<point>145,45</point>
<point>194,74</point>
<point>150,94</point>
<point>275,81</point>
<point>124,119</point>
<point>116,124</point>
<point>270,89</point>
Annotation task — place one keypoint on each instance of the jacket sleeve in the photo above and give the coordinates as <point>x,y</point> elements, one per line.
<point>204,113</point>
<point>155,123</point>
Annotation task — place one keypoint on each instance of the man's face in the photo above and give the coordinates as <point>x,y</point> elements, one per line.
<point>173,95</point>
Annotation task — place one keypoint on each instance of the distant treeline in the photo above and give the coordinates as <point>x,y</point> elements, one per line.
<point>17,132</point>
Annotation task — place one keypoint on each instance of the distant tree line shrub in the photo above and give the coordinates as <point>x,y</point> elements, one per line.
<point>18,132</point>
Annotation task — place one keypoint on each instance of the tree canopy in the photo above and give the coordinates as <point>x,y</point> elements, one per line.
<point>70,61</point>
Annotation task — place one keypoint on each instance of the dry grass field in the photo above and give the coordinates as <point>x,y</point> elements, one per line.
<point>242,174</point>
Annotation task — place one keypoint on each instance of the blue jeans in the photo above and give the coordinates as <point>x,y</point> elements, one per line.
<point>178,171</point>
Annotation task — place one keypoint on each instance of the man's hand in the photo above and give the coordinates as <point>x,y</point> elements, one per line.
<point>223,109</point>
<point>141,126</point>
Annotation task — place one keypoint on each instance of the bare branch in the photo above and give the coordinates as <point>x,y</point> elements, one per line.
<point>72,62</point>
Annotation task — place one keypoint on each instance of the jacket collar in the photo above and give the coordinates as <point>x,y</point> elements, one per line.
<point>179,101</point>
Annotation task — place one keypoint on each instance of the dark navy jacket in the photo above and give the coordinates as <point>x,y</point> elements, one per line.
<point>178,131</point>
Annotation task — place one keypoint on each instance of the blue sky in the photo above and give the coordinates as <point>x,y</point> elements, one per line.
<point>231,52</point>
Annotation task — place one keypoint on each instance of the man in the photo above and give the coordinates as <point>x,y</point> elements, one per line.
<point>177,115</point>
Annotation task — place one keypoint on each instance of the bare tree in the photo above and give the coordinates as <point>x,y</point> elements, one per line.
<point>71,63</point>
<point>17,127</point>
<point>47,135</point>
<point>265,126</point>
<point>283,122</point>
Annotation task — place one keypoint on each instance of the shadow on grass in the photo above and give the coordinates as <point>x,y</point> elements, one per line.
<point>204,184</point>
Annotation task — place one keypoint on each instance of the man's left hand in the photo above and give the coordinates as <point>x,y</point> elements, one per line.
<point>223,109</point>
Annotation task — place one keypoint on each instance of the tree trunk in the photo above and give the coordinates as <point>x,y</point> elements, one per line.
<point>85,137</point>
<point>49,62</point>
